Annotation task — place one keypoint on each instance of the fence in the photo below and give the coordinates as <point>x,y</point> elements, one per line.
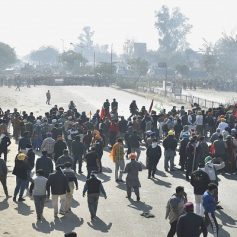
<point>183,98</point>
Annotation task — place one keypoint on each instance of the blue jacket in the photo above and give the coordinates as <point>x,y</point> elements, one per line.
<point>209,202</point>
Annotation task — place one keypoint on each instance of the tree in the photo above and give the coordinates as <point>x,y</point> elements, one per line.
<point>72,61</point>
<point>105,69</point>
<point>172,28</point>
<point>226,54</point>
<point>7,56</point>
<point>183,70</point>
<point>138,66</point>
<point>85,38</point>
<point>45,55</point>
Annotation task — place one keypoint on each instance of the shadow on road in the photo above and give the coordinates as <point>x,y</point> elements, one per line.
<point>161,182</point>
<point>4,204</point>
<point>23,209</point>
<point>106,170</point>
<point>65,224</point>
<point>98,224</point>
<point>141,206</point>
<point>105,178</point>
<point>226,220</point>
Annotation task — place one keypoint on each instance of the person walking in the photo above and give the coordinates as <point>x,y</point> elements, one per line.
<point>58,184</point>
<point>38,189</point>
<point>199,181</point>
<point>134,141</point>
<point>117,155</point>
<point>92,161</point>
<point>4,144</point>
<point>59,147</point>
<point>64,159</point>
<point>20,171</point>
<point>175,208</point>
<point>132,181</point>
<point>93,187</point>
<point>170,144</point>
<point>190,224</point>
<point>3,176</point>
<point>48,97</point>
<point>209,204</point>
<point>72,182</point>
<point>48,145</point>
<point>44,163</point>
<point>153,156</point>
<point>78,150</point>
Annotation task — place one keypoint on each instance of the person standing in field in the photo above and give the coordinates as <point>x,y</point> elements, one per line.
<point>48,97</point>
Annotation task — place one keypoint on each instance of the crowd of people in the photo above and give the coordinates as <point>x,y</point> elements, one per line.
<point>205,140</point>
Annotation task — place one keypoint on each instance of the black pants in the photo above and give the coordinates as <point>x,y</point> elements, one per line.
<point>152,168</point>
<point>3,180</point>
<point>211,219</point>
<point>172,230</point>
<point>77,159</point>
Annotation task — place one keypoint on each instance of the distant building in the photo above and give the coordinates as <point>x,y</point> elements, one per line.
<point>139,50</point>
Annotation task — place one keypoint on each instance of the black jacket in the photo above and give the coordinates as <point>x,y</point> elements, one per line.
<point>59,147</point>
<point>190,224</point>
<point>46,164</point>
<point>58,183</point>
<point>20,169</point>
<point>78,148</point>
<point>31,158</point>
<point>91,159</point>
<point>153,154</point>
<point>199,181</point>
<point>170,143</point>
<point>5,143</point>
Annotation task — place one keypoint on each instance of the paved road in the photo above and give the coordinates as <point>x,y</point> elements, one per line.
<point>118,216</point>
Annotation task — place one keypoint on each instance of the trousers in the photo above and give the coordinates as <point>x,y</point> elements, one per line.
<point>39,205</point>
<point>55,203</point>
<point>119,167</point>
<point>20,186</point>
<point>92,200</point>
<point>3,180</point>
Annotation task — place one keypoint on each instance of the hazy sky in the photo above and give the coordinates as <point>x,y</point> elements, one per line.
<point>29,24</point>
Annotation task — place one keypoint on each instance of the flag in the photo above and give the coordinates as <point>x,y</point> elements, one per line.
<point>151,106</point>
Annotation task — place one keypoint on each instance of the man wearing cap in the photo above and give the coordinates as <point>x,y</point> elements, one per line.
<point>170,144</point>
<point>48,145</point>
<point>132,181</point>
<point>20,171</point>
<point>175,208</point>
<point>59,187</point>
<point>93,187</point>
<point>190,224</point>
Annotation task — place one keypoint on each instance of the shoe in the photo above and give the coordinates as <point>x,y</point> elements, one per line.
<point>80,172</point>
<point>138,198</point>
<point>121,181</point>
<point>92,218</point>
<point>117,180</point>
<point>56,216</point>
<point>218,207</point>
<point>14,199</point>
<point>149,177</point>
<point>62,213</point>
<point>128,197</point>
<point>20,199</point>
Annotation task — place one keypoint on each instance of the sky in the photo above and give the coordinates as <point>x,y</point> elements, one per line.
<point>27,25</point>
